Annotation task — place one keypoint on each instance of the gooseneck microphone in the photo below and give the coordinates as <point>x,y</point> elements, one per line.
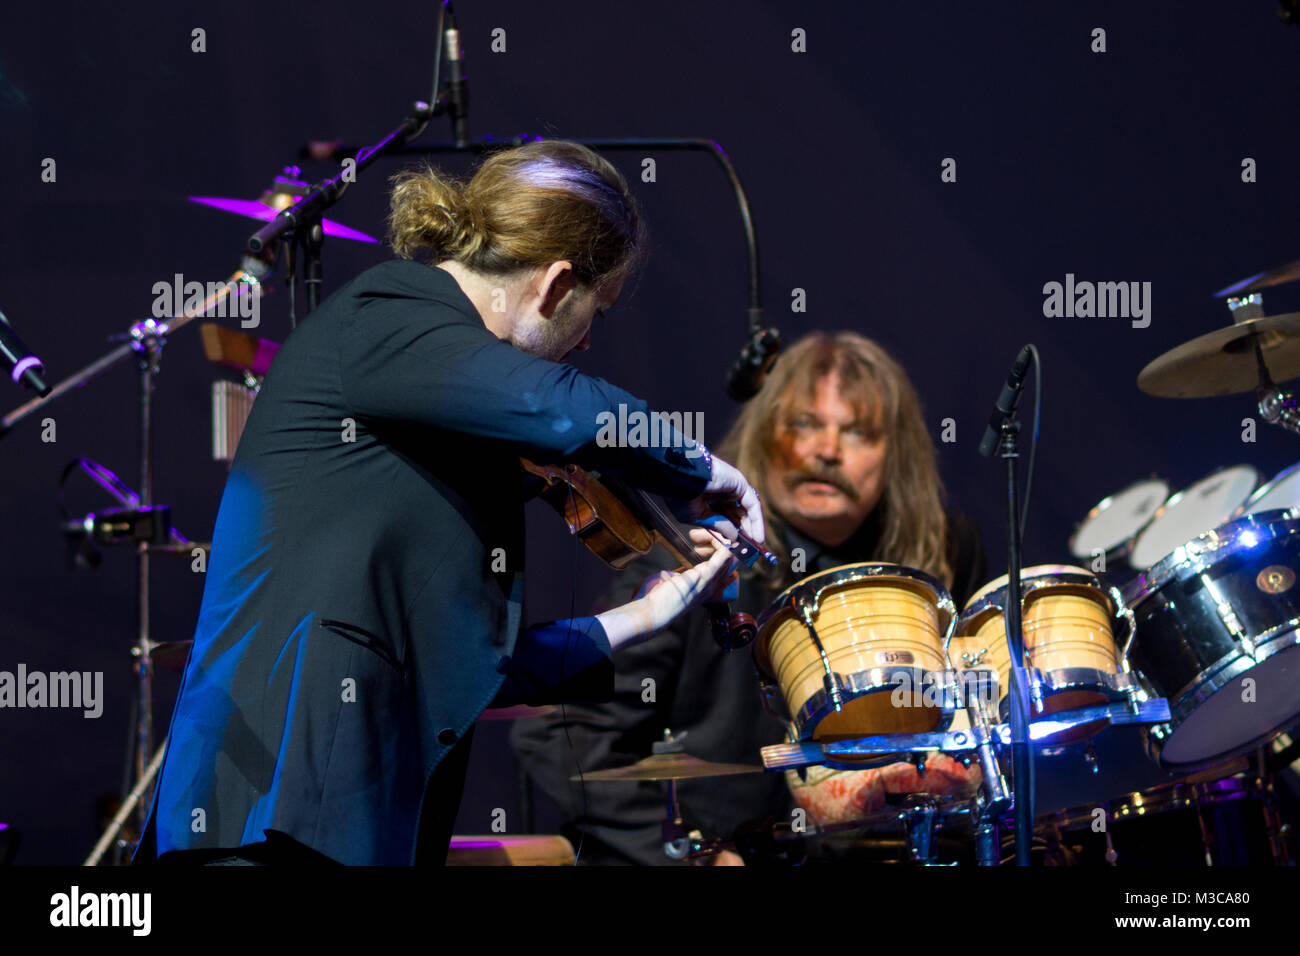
<point>1008,402</point>
<point>750,369</point>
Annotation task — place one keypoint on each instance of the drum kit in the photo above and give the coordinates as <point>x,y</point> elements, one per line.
<point>872,664</point>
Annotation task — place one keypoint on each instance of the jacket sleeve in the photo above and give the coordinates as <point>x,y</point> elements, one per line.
<point>620,822</point>
<point>424,362</point>
<point>558,661</point>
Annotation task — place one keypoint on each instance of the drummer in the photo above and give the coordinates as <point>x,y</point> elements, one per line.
<point>838,449</point>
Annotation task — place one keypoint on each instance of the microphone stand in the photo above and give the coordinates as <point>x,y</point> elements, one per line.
<point>1022,784</point>
<point>762,339</point>
<point>301,222</point>
<point>145,341</point>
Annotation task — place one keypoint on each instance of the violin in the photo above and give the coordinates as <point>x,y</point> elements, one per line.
<point>619,523</point>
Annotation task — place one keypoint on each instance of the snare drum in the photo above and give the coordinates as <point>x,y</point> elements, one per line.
<point>1112,527</point>
<point>1068,620</point>
<point>874,632</point>
<point>1195,510</point>
<point>1217,625</point>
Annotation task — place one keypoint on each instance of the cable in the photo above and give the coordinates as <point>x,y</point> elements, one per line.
<point>437,59</point>
<point>1033,442</point>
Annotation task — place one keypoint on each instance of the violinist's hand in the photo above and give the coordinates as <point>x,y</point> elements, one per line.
<point>727,499</point>
<point>664,597</point>
<point>706,542</point>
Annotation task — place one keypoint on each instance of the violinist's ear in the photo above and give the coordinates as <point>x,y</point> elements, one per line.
<point>551,284</point>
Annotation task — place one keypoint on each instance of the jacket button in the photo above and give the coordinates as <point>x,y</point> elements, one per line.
<point>503,664</point>
<point>446,736</point>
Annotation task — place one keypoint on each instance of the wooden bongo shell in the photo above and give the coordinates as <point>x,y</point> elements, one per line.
<point>1066,625</point>
<point>877,631</point>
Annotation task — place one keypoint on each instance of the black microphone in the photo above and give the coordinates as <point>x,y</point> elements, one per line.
<point>24,367</point>
<point>1008,402</point>
<point>457,90</point>
<point>748,372</point>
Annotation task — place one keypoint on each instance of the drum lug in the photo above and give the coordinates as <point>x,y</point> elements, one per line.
<point>831,681</point>
<point>1124,612</point>
<point>1036,690</point>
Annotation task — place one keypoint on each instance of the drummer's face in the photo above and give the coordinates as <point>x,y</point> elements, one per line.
<point>828,467</point>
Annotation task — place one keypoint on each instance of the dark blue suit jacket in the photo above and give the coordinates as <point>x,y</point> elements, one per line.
<point>356,618</point>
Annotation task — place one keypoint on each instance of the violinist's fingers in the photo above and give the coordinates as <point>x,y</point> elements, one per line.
<point>752,523</point>
<point>706,542</point>
<point>720,524</point>
<point>704,579</point>
<point>737,497</point>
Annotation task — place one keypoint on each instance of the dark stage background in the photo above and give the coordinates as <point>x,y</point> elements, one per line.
<point>1115,166</point>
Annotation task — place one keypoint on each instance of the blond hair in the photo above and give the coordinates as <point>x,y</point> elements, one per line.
<point>524,208</point>
<point>912,520</point>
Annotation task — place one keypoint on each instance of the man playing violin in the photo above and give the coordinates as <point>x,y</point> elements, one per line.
<point>840,454</point>
<point>363,601</point>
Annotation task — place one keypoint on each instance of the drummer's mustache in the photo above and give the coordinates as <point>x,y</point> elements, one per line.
<point>831,476</point>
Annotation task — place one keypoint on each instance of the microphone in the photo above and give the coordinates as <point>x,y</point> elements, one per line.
<point>24,367</point>
<point>1008,402</point>
<point>750,369</point>
<point>457,90</point>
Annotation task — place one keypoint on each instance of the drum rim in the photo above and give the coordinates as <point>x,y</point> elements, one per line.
<point>1216,678</point>
<point>850,573</point>
<point>1179,564</point>
<point>875,680</point>
<point>1264,489</point>
<point>1028,586</point>
<point>1120,548</point>
<point>1178,795</point>
<point>1174,499</point>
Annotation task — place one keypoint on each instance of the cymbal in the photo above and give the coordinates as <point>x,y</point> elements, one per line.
<point>669,766</point>
<point>1262,280</point>
<point>259,209</point>
<point>1222,362</point>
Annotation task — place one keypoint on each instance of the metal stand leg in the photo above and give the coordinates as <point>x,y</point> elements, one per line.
<point>987,843</point>
<point>133,800</point>
<point>919,813</point>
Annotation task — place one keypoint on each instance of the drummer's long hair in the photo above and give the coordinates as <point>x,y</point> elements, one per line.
<point>910,513</point>
<point>523,209</point>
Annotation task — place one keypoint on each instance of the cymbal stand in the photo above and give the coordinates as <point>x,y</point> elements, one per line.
<point>1277,406</point>
<point>1277,830</point>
